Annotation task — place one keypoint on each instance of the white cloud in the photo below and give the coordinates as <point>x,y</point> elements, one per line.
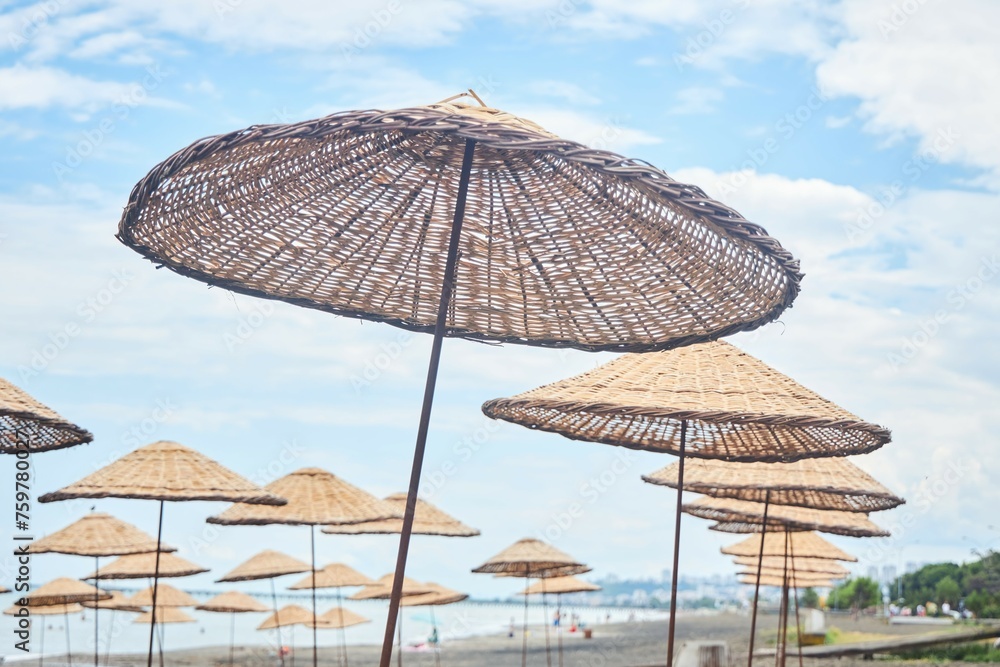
<point>697,100</point>
<point>611,134</point>
<point>23,86</point>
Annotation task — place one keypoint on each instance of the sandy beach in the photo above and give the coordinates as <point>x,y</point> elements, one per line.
<point>622,644</point>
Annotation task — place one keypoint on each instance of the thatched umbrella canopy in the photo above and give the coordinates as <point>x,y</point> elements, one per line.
<point>164,615</point>
<point>382,589</point>
<point>748,517</point>
<point>63,610</point>
<point>142,566</point>
<point>233,602</point>
<point>117,602</point>
<point>805,565</point>
<point>559,585</point>
<point>315,498</point>
<point>167,596</point>
<point>29,427</point>
<point>63,591</point>
<point>465,221</point>
<point>291,614</point>
<point>338,619</point>
<point>779,580</point>
<point>427,520</point>
<point>803,545</point>
<point>439,595</point>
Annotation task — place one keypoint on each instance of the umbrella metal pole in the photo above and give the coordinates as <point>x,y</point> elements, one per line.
<point>312,549</point>
<point>798,621</point>
<point>111,631</point>
<point>447,286</point>
<point>232,636</point>
<point>277,629</point>
<point>399,635</point>
<point>343,630</point>
<point>41,647</point>
<point>756,588</point>
<point>524,629</point>
<point>783,615</point>
<point>156,580</point>
<point>545,619</point>
<point>69,650</point>
<point>97,593</point>
<point>677,548</point>
<point>437,644</point>
<point>559,628</point>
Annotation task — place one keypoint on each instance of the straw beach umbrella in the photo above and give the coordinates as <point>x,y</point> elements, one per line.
<point>233,602</point>
<point>335,575</point>
<point>63,610</point>
<point>142,566</point>
<point>816,565</point>
<point>528,558</point>
<point>164,471</point>
<point>117,602</point>
<point>559,585</point>
<point>64,591</point>
<point>96,534</point>
<point>427,520</point>
<point>315,498</point>
<point>382,589</point>
<point>780,580</point>
<point>466,221</point>
<point>708,400</point>
<point>338,618</point>
<point>28,426</point>
<point>438,597</point>
<point>748,517</point>
<point>288,616</point>
<point>267,564</point>
<point>162,616</point>
<point>166,596</point>
<point>804,544</point>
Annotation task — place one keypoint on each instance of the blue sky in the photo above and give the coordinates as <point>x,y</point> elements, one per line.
<point>861,134</point>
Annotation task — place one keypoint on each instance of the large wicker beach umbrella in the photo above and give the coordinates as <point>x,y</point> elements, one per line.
<point>116,603</point>
<point>466,221</point>
<point>232,603</point>
<point>288,616</point>
<point>708,400</point>
<point>315,498</point>
<point>166,596</point>
<point>439,597</point>
<point>338,619</point>
<point>382,589</point>
<point>804,544</point>
<point>427,520</point>
<point>143,566</point>
<point>64,592</point>
<point>267,564</point>
<point>529,558</point>
<point>164,471</point>
<point>816,565</point>
<point>780,580</point>
<point>96,534</point>
<point>162,616</point>
<point>559,586</point>
<point>339,576</point>
<point>63,610</point>
<point>28,427</point>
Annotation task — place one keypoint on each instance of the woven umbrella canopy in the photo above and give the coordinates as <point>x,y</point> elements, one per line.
<point>117,602</point>
<point>812,565</point>
<point>427,520</point>
<point>559,585</point>
<point>708,400</point>
<point>288,616</point>
<point>63,591</point>
<point>233,602</point>
<point>383,590</point>
<point>779,580</point>
<point>748,517</point>
<point>164,615</point>
<point>315,498</point>
<point>142,566</point>
<point>803,544</point>
<point>780,571</point>
<point>28,427</point>
<point>439,597</point>
<point>338,619</point>
<point>267,564</point>
<point>466,221</point>
<point>528,558</point>
<point>164,471</point>
<point>335,575</point>
<point>63,610</point>
<point>96,534</point>
<point>166,596</point>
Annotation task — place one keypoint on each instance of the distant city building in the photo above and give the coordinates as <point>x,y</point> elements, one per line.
<point>665,575</point>
<point>888,574</point>
<point>873,573</point>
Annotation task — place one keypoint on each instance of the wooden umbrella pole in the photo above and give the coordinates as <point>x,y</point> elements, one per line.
<point>156,580</point>
<point>97,598</point>
<point>798,621</point>
<point>756,588</point>
<point>524,628</point>
<point>783,629</point>
<point>312,551</point>
<point>277,629</point>
<point>232,635</point>
<point>343,630</point>
<point>69,650</point>
<point>677,548</point>
<point>559,628</point>
<point>447,286</point>
<point>545,621</point>
<point>41,647</point>
<point>399,632</point>
<point>111,630</point>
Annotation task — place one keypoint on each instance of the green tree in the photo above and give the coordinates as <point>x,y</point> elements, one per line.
<point>947,590</point>
<point>809,598</point>
<point>856,594</point>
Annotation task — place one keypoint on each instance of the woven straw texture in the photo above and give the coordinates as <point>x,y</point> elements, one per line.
<point>141,566</point>
<point>560,585</point>
<point>337,618</point>
<point>777,572</point>
<point>233,602</point>
<point>439,596</point>
<point>814,565</point>
<point>315,497</point>
<point>746,517</point>
<point>163,615</point>
<point>562,246</point>
<point>165,471</point>
<point>266,564</point>
<point>334,575</point>
<point>166,596</point>
<point>382,589</point>
<point>803,545</point>
<point>118,601</point>
<point>800,582</point>
<point>47,610</point>
<point>97,534</point>
<point>736,407</point>
<point>427,520</point>
<point>529,557</point>
<point>291,614</point>
<point>63,591</point>
<point>28,425</point>
<point>826,484</point>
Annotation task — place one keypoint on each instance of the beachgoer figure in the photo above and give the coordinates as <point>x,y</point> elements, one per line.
<point>555,618</point>
<point>510,632</point>
<point>433,639</point>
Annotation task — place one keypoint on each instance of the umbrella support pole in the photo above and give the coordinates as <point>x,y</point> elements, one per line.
<point>798,621</point>
<point>677,548</point>
<point>277,629</point>
<point>524,628</point>
<point>69,650</point>
<point>111,633</point>
<point>437,644</point>
<point>312,551</point>
<point>779,655</point>
<point>447,286</point>
<point>399,636</point>
<point>97,597</point>
<point>756,588</point>
<point>232,636</point>
<point>559,628</point>
<point>343,630</point>
<point>156,580</point>
<point>545,622</point>
<point>41,647</point>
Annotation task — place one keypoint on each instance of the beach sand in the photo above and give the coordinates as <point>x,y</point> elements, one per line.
<point>614,645</point>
